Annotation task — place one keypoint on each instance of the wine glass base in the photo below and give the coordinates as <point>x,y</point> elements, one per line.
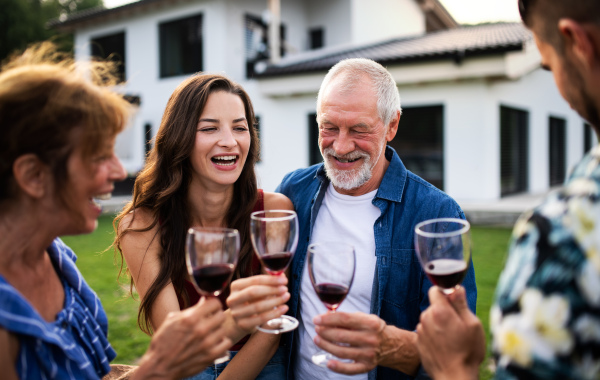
<point>279,325</point>
<point>223,358</point>
<point>322,358</point>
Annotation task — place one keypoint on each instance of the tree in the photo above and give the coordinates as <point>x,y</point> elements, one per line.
<point>23,22</point>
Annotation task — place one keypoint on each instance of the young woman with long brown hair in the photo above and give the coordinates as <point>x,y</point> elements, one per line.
<point>199,173</point>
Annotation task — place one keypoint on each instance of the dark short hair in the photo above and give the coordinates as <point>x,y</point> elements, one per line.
<point>543,15</point>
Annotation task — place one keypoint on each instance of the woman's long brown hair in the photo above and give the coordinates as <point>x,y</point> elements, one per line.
<point>162,187</point>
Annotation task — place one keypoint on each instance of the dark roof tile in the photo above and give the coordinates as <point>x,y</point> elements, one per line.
<point>458,43</point>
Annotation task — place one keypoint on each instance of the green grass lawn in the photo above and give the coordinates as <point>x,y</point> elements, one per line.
<point>99,269</point>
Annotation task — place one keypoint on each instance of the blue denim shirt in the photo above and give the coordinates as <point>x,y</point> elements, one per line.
<point>400,286</point>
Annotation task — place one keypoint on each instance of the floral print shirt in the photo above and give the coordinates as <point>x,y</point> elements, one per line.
<point>546,317</point>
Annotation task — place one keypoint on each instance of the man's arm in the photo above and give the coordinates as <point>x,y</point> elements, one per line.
<point>451,340</point>
<point>368,340</point>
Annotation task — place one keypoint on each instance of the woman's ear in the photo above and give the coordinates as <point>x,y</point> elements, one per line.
<point>31,175</point>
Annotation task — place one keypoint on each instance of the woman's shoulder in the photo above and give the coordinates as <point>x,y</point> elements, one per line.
<point>277,201</point>
<point>138,219</point>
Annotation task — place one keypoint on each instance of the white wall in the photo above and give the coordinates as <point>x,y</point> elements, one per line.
<point>374,20</point>
<point>471,129</point>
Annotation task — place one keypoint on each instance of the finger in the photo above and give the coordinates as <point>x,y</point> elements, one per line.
<point>252,321</point>
<point>353,321</point>
<point>261,279</point>
<point>254,293</point>
<point>364,358</point>
<point>458,300</point>
<point>242,310</point>
<point>348,368</point>
<point>204,307</point>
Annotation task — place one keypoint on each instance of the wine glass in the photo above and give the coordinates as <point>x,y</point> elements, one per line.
<point>331,267</point>
<point>444,251</point>
<point>274,235</point>
<point>211,256</point>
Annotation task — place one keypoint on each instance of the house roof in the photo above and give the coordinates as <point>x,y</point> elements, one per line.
<point>436,15</point>
<point>455,44</point>
<point>100,14</point>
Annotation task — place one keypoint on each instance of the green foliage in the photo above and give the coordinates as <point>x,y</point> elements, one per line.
<point>23,22</point>
<point>490,248</point>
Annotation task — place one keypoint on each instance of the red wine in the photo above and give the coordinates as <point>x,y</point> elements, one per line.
<point>212,278</point>
<point>446,273</point>
<point>276,262</point>
<point>331,295</point>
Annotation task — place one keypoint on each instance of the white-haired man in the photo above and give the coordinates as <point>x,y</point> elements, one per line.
<point>362,194</point>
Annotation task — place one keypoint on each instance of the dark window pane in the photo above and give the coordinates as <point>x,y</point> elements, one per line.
<point>557,150</point>
<point>316,38</point>
<point>589,138</point>
<point>420,142</point>
<point>314,154</point>
<point>110,47</point>
<point>181,46</point>
<point>257,42</point>
<point>514,150</point>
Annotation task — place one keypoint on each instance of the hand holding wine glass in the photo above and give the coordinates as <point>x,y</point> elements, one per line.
<point>211,256</point>
<point>274,235</point>
<point>331,267</point>
<point>444,251</point>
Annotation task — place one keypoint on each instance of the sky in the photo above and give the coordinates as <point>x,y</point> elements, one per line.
<point>463,11</point>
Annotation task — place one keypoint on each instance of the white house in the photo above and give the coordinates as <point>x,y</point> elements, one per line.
<point>479,113</point>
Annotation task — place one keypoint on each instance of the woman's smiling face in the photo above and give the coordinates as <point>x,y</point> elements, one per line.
<point>222,140</point>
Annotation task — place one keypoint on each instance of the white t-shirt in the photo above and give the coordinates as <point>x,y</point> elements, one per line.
<point>347,219</point>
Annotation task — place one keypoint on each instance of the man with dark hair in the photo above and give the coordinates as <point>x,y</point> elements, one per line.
<point>546,317</point>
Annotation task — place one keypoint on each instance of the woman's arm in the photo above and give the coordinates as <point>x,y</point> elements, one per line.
<point>9,349</point>
<point>141,252</point>
<point>259,349</point>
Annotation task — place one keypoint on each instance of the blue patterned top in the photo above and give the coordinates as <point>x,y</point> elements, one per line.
<point>75,345</point>
<point>546,316</point>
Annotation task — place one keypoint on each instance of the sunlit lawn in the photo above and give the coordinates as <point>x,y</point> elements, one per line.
<point>100,271</point>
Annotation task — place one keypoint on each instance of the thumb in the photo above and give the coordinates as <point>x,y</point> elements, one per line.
<point>458,300</point>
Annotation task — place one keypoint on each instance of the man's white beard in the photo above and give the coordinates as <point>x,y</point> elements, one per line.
<point>348,179</point>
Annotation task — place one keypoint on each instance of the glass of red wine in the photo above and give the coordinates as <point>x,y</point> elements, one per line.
<point>331,267</point>
<point>274,235</point>
<point>211,256</point>
<point>444,251</point>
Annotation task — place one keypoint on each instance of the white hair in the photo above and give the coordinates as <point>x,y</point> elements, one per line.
<point>354,69</point>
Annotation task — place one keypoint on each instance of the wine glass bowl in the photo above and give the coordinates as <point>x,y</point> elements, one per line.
<point>444,250</point>
<point>211,256</point>
<point>274,236</point>
<point>331,268</point>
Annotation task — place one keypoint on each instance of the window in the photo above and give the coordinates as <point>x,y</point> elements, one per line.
<point>180,46</point>
<point>257,43</point>
<point>557,150</point>
<point>589,138</point>
<point>315,37</point>
<point>420,142</point>
<point>314,153</point>
<point>514,151</point>
<point>110,47</point>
